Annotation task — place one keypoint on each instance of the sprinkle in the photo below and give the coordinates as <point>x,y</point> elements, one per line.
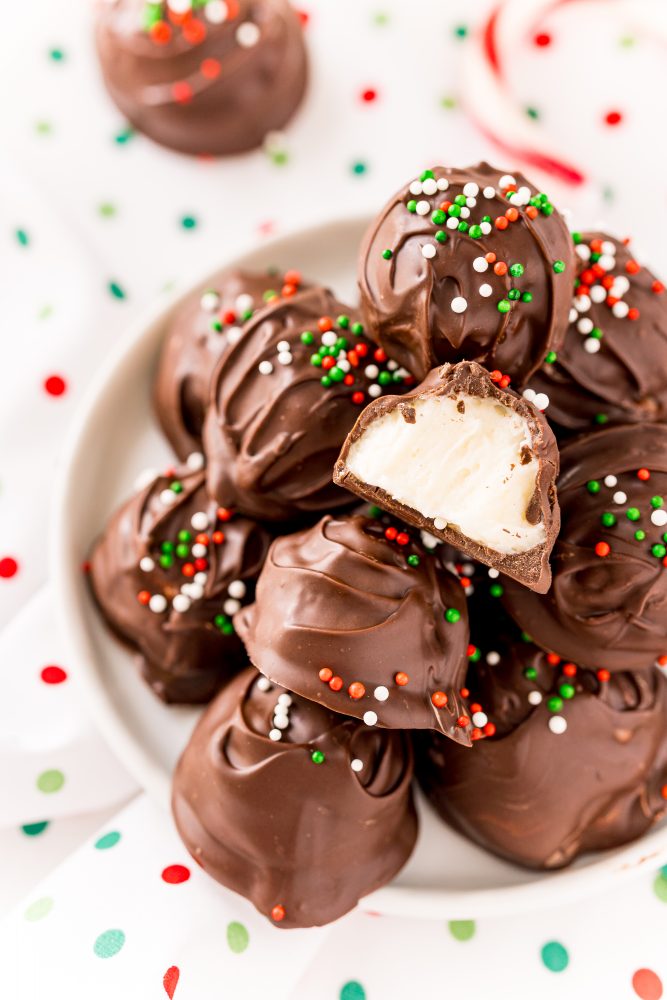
<point>602,549</point>
<point>493,658</point>
<point>195,461</point>
<point>237,588</point>
<point>479,719</point>
<point>356,764</point>
<point>659,518</point>
<point>381,693</point>
<point>439,524</point>
<point>247,34</point>
<point>428,250</point>
<point>199,521</point>
<point>480,264</point>
<point>263,683</point>
<point>181,603</point>
<point>422,208</point>
<point>285,357</point>
<point>317,757</point>
<point>265,368</point>
<point>401,678</point>
<point>610,481</point>
<point>387,254</point>
<point>559,266</point>
<point>459,304</point>
<point>168,498</point>
<point>506,181</point>
<point>643,474</point>
<point>620,497</point>
<point>278,913</point>
<point>370,718</point>
<point>557,725</point>
<point>535,698</point>
<point>158,603</point>
<point>356,690</point>
<point>146,564</point>
<point>439,699</point>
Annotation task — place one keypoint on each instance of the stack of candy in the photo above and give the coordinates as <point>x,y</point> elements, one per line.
<point>493,624</point>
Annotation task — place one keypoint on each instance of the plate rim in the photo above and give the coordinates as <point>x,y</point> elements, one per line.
<point>553,888</point>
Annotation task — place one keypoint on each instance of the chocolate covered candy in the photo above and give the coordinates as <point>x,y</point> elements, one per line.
<point>300,810</point>
<point>470,264</point>
<point>612,365</point>
<point>469,461</point>
<point>575,760</point>
<point>169,573</point>
<point>355,614</point>
<point>282,400</point>
<point>607,606</point>
<point>206,325</point>
<point>213,76</point>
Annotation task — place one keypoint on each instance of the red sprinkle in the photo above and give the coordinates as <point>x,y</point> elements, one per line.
<point>182,92</point>
<point>224,514</point>
<point>531,212</point>
<point>463,721</point>
<point>175,874</point>
<point>390,533</point>
<point>336,683</point>
<point>633,313</point>
<point>55,385</point>
<point>439,699</point>
<point>368,95</point>
<point>357,398</point>
<point>501,222</point>
<point>380,355</point>
<point>402,679</point>
<point>356,690</point>
<point>218,537</point>
<point>657,288</point>
<point>187,569</point>
<point>553,659</point>
<point>402,538</point>
<point>278,913</point>
<point>643,474</point>
<point>160,33</point>
<point>143,597</point>
<point>210,68</point>
<point>8,567</point>
<point>632,267</point>
<point>324,324</point>
<point>489,729</point>
<point>602,549</point>
<point>603,675</point>
<point>325,674</point>
<point>569,669</point>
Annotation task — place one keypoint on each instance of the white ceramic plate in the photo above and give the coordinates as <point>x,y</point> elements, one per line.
<point>113,439</point>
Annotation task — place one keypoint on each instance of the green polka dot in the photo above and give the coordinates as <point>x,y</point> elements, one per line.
<point>359,167</point>
<point>555,956</point>
<point>106,209</point>
<point>462,930</point>
<point>237,937</point>
<point>109,943</point>
<point>57,55</point>
<point>43,128</point>
<point>533,113</point>
<point>608,194</point>
<point>45,312</point>
<point>279,157</point>
<point>107,840</point>
<point>627,42</point>
<point>448,102</point>
<point>39,909</point>
<point>381,18</point>
<point>34,829</point>
<point>660,886</point>
<point>352,990</point>
<point>50,781</point>
<point>116,290</point>
<point>124,135</point>
<point>461,31</point>
<point>189,222</point>
<point>22,237</point>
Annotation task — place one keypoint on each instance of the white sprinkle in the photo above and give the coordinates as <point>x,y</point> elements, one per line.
<point>598,294</point>
<point>535,698</point>
<point>610,481</point>
<point>233,334</point>
<point>506,180</point>
<point>439,523</point>
<point>356,764</point>
<point>392,365</point>
<point>281,712</point>
<point>582,303</point>
<point>195,591</point>
<point>428,250</point>
<point>620,497</point>
<point>493,573</point>
<point>620,309</point>
<point>283,345</point>
<point>470,189</point>
<point>179,6</point>
<point>285,699</point>
<point>168,498</point>
<point>343,364</point>
<point>329,338</point>
<point>370,718</point>
<point>371,371</point>
<point>452,222</point>
<point>381,693</point>
<point>403,372</point>
<point>541,400</point>
<point>195,461</point>
<point>608,247</point>
<point>244,303</point>
<point>585,325</point>
<point>573,315</point>
<point>459,304</point>
<point>485,290</point>
<point>158,603</point>
<point>485,227</point>
<point>591,345</point>
<point>199,521</point>
<point>557,725</point>
<point>199,578</point>
<point>443,183</point>
<point>247,34</point>
<point>659,518</point>
<point>430,186</point>
<point>263,683</point>
<point>522,197</point>
<point>493,658</point>
<point>621,285</point>
<point>275,735</point>
<point>237,588</point>
<point>607,262</point>
<point>181,603</point>
<point>144,478</point>
<point>210,301</point>
<point>216,11</point>
<point>415,187</point>
<point>471,202</point>
<point>146,564</point>
<point>265,368</point>
<point>280,721</point>
<point>479,719</point>
<point>423,208</point>
<point>429,541</point>
<point>199,550</point>
<point>480,264</point>
<point>465,212</point>
<point>529,394</point>
<point>583,251</point>
<point>285,358</point>
<point>231,606</point>
<point>374,390</point>
<point>468,569</point>
<point>489,192</point>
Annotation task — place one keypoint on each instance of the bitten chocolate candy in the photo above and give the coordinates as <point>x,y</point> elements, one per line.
<point>607,606</point>
<point>469,264</point>
<point>468,461</point>
<point>300,810</point>
<point>212,77</point>
<point>612,365</point>
<point>355,614</point>
<point>169,573</point>
<point>207,324</point>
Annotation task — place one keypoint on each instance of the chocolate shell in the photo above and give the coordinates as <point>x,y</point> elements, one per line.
<point>213,79</point>
<point>612,365</point>
<point>300,810</point>
<point>208,322</point>
<point>607,606</point>
<point>168,574</point>
<point>575,760</point>
<point>470,264</point>
<point>467,460</point>
<point>355,614</point>
<point>282,401</point>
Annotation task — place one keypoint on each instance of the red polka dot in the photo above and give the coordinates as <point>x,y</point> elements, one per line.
<point>368,95</point>
<point>53,675</point>
<point>542,40</point>
<point>175,874</point>
<point>8,567</point>
<point>210,68</point>
<point>303,16</point>
<point>647,985</point>
<point>181,91</point>
<point>55,385</point>
<point>613,118</point>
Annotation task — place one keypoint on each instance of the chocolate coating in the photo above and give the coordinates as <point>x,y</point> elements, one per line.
<point>185,655</point>
<point>580,773</point>
<point>460,382</point>
<point>426,310</point>
<point>342,598</point>
<point>214,81</point>
<point>606,607</point>
<point>612,365</point>
<point>208,322</point>
<point>280,409</point>
<point>303,841</point>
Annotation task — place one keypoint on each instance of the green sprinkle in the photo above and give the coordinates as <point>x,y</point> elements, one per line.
<point>452,615</point>
<point>504,306</point>
<point>43,128</point>
<point>463,227</point>
<point>514,294</point>
<point>317,757</point>
<point>448,102</point>
<point>525,637</point>
<point>167,546</point>
<point>657,501</point>
<point>475,232</point>
<point>374,510</point>
<point>384,378</point>
<point>326,381</point>
<point>176,486</point>
<point>307,337</point>
<point>576,238</point>
<point>387,254</point>
<point>559,266</point>
<point>528,297</point>
<point>633,514</point>
<point>475,655</point>
<point>454,210</point>
<point>608,520</point>
<point>566,691</point>
<point>227,628</point>
<point>166,561</point>
<point>182,550</point>
<point>336,374</point>
<point>413,560</point>
<point>184,535</point>
<point>441,236</point>
<point>412,205</point>
<point>216,326</point>
<point>554,704</point>
<point>316,360</point>
<point>106,210</point>
<point>640,535</point>
<point>496,590</point>
<point>551,356</point>
<point>516,270</point>
<point>426,175</point>
<point>381,18</point>
<point>593,486</point>
<point>658,550</point>
<point>438,217</point>
<point>357,329</point>
<point>601,418</point>
<point>219,620</point>
<point>596,332</point>
<point>530,673</point>
<point>460,200</point>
